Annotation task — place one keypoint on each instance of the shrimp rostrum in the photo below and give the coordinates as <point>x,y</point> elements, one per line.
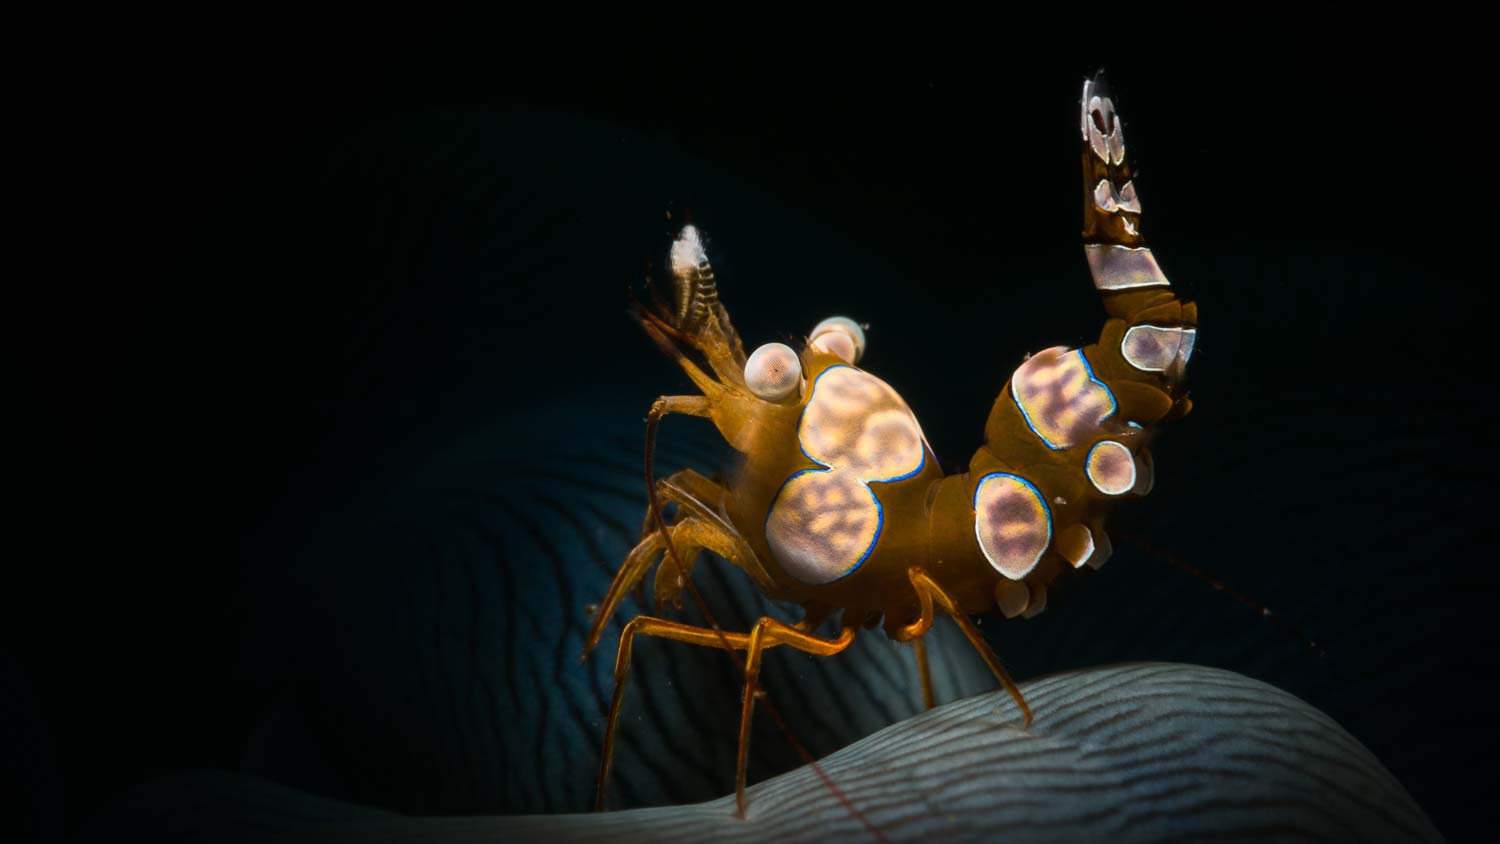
<point>835,501</point>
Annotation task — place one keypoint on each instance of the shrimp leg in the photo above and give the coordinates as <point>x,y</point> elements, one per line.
<point>700,528</point>
<point>688,536</point>
<point>924,671</point>
<point>768,632</point>
<point>687,405</point>
<point>930,593</point>
<point>702,499</point>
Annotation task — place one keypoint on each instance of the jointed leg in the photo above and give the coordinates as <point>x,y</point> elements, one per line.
<point>631,574</point>
<point>928,593</point>
<point>645,625</point>
<point>713,537</point>
<point>688,489</point>
<point>689,405</point>
<point>697,530</point>
<point>688,535</point>
<point>924,672</point>
<point>700,498</point>
<point>767,633</point>
<point>654,532</point>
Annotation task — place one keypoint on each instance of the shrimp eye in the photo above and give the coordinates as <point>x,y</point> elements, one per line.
<point>773,372</point>
<point>839,336</point>
<point>836,343</point>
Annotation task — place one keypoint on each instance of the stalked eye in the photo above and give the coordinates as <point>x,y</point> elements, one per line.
<point>773,371</point>
<point>838,344</point>
<point>839,336</point>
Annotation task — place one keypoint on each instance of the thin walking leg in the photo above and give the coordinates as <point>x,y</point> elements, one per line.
<point>648,626</point>
<point>768,632</point>
<point>690,405</point>
<point>919,647</point>
<point>702,499</point>
<point>632,573</point>
<point>928,592</point>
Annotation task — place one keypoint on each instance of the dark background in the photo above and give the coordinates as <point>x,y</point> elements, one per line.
<point>212,308</point>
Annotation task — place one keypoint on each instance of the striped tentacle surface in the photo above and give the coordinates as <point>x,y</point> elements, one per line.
<point>1144,752</point>
<point>437,656</point>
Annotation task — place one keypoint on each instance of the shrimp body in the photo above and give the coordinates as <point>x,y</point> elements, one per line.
<point>836,504</point>
<point>835,501</point>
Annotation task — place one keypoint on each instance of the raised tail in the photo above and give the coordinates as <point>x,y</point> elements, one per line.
<point>1157,331</point>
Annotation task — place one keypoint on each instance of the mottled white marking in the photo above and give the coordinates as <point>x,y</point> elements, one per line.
<point>773,372</point>
<point>825,522</point>
<point>1109,200</point>
<point>1104,196</point>
<point>1123,267</point>
<point>857,422</point>
<point>1157,348</point>
<point>822,525</point>
<point>1103,128</point>
<point>1059,398</point>
<point>1110,467</point>
<point>1098,112</point>
<point>1012,523</point>
<point>1109,142</point>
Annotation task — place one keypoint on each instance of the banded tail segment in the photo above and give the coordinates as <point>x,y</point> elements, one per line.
<point>1111,208</point>
<point>1070,433</point>
<point>1156,332</point>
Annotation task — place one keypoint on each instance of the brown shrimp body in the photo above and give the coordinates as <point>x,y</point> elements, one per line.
<point>1038,491</point>
<point>836,502</point>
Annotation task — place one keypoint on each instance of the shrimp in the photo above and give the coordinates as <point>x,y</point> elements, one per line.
<point>835,501</point>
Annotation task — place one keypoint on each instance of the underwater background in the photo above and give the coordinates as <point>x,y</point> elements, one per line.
<point>329,420</point>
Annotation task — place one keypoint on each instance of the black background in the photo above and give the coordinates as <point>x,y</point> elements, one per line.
<point>160,409</point>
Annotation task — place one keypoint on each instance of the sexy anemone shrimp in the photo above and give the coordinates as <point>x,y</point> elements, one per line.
<point>835,501</point>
